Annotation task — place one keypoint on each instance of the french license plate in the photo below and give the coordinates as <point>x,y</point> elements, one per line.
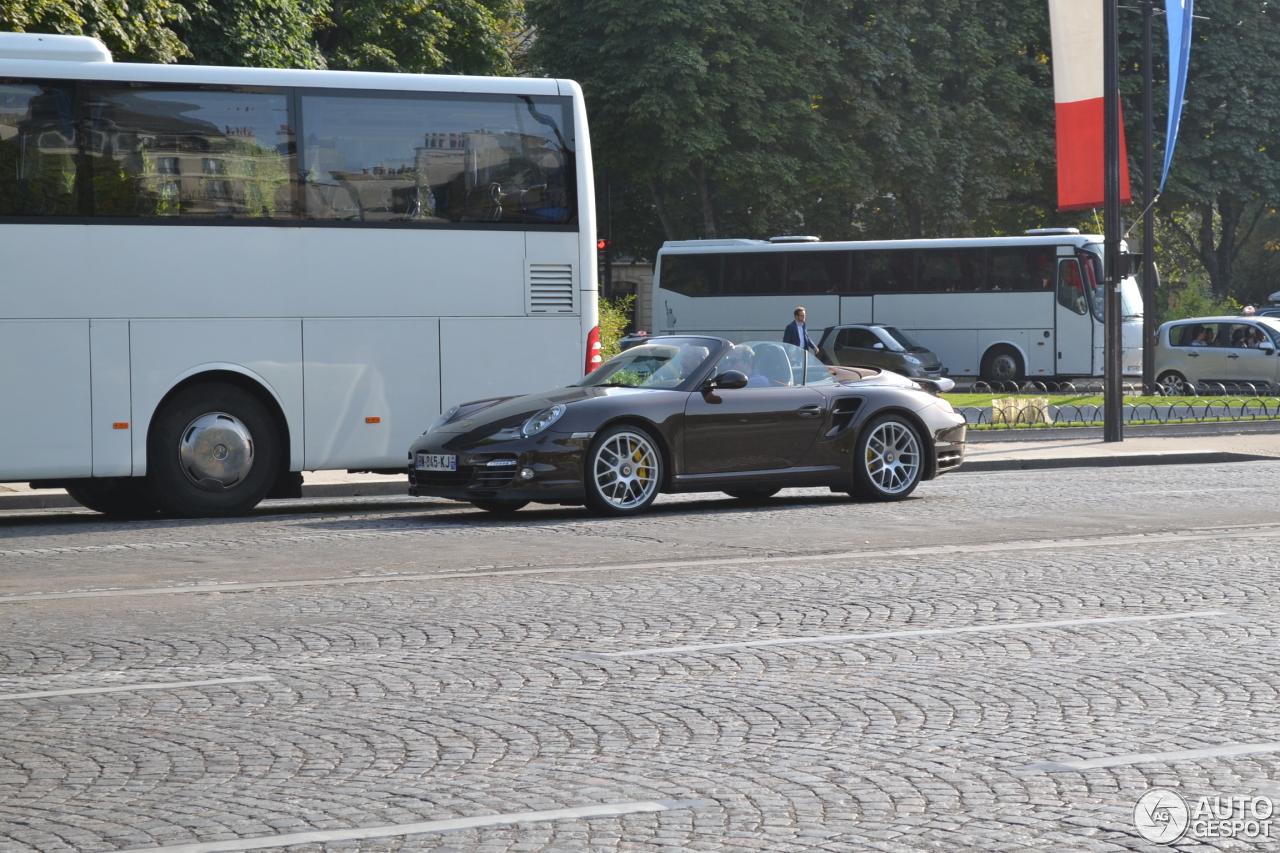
<point>436,462</point>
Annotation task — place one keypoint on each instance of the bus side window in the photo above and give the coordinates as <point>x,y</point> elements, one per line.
<point>37,150</point>
<point>950,270</point>
<point>197,154</point>
<point>691,275</point>
<point>887,271</point>
<point>817,272</point>
<point>1020,269</point>
<point>752,274</point>
<point>433,158</point>
<point>1071,287</point>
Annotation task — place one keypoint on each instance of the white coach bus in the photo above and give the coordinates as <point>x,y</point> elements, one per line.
<point>1003,308</point>
<point>212,279</point>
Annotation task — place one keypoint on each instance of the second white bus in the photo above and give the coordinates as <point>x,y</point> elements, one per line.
<point>1000,308</point>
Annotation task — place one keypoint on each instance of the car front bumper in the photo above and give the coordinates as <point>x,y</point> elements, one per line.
<point>948,448</point>
<point>546,468</point>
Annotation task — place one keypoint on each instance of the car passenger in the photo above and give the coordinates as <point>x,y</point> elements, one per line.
<point>742,358</point>
<point>1197,336</point>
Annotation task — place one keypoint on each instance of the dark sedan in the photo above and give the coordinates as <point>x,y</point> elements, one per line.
<point>691,414</point>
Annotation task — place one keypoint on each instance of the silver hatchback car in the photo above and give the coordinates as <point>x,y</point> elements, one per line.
<point>878,345</point>
<point>1227,351</point>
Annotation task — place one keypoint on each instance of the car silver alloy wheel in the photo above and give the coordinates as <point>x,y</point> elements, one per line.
<point>893,457</point>
<point>216,451</point>
<point>626,470</point>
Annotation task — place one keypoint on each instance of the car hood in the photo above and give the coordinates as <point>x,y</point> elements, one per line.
<point>507,412</point>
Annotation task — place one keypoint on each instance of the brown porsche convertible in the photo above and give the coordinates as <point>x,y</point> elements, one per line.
<point>692,414</point>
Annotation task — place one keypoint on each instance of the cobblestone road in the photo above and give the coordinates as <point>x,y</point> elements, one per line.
<point>1005,662</point>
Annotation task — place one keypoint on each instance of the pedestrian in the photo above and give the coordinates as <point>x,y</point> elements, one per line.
<point>797,335</point>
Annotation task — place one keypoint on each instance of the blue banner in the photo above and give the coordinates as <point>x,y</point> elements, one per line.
<point>1178,16</point>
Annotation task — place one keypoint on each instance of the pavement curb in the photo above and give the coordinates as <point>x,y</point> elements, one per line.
<point>1203,457</point>
<point>58,499</point>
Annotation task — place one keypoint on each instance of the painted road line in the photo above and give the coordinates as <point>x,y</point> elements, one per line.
<point>1224,751</point>
<point>125,688</point>
<point>1216,534</point>
<point>893,635</point>
<point>431,826</point>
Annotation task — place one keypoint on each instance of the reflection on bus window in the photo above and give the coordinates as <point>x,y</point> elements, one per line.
<point>437,159</point>
<point>37,150</point>
<point>189,153</point>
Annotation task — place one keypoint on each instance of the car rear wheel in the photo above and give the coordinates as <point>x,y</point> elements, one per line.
<point>1173,384</point>
<point>116,498</point>
<point>214,450</point>
<point>500,507</point>
<point>753,496</point>
<point>888,459</point>
<point>623,471</point>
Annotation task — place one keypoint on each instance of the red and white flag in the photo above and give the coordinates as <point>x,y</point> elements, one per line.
<point>1076,29</point>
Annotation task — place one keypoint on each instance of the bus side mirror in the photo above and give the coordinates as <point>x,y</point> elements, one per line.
<point>1130,263</point>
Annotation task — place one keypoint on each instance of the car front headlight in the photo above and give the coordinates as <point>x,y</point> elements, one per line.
<point>911,359</point>
<point>542,420</point>
<point>442,420</point>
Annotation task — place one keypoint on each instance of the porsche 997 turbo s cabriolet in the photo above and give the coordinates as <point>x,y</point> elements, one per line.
<point>692,414</point>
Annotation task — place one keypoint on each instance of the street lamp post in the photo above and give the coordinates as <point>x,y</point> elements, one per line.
<point>1113,400</point>
<point>1148,215</point>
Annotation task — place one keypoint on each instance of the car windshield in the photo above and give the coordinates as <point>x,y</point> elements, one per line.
<point>665,363</point>
<point>900,341</point>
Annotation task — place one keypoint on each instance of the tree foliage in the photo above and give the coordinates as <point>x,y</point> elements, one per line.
<point>1226,172</point>
<point>710,106</point>
<point>134,30</point>
<point>425,36</point>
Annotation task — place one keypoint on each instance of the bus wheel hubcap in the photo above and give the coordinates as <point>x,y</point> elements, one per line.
<point>216,451</point>
<point>1003,367</point>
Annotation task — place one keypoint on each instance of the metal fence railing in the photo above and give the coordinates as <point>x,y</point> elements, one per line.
<point>1089,387</point>
<point>1033,411</point>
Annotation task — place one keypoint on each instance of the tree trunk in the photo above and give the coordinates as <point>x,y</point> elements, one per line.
<point>706,192</point>
<point>660,206</point>
<point>1219,255</point>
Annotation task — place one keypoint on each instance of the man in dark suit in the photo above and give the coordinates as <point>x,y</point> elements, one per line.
<point>796,334</point>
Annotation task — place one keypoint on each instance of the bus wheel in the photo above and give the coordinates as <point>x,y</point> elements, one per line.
<point>500,507</point>
<point>1002,364</point>
<point>214,450</point>
<point>1172,383</point>
<point>888,459</point>
<point>124,498</point>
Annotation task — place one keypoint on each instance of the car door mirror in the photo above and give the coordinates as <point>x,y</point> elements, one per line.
<point>730,379</point>
<point>1267,348</point>
<point>877,346</point>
